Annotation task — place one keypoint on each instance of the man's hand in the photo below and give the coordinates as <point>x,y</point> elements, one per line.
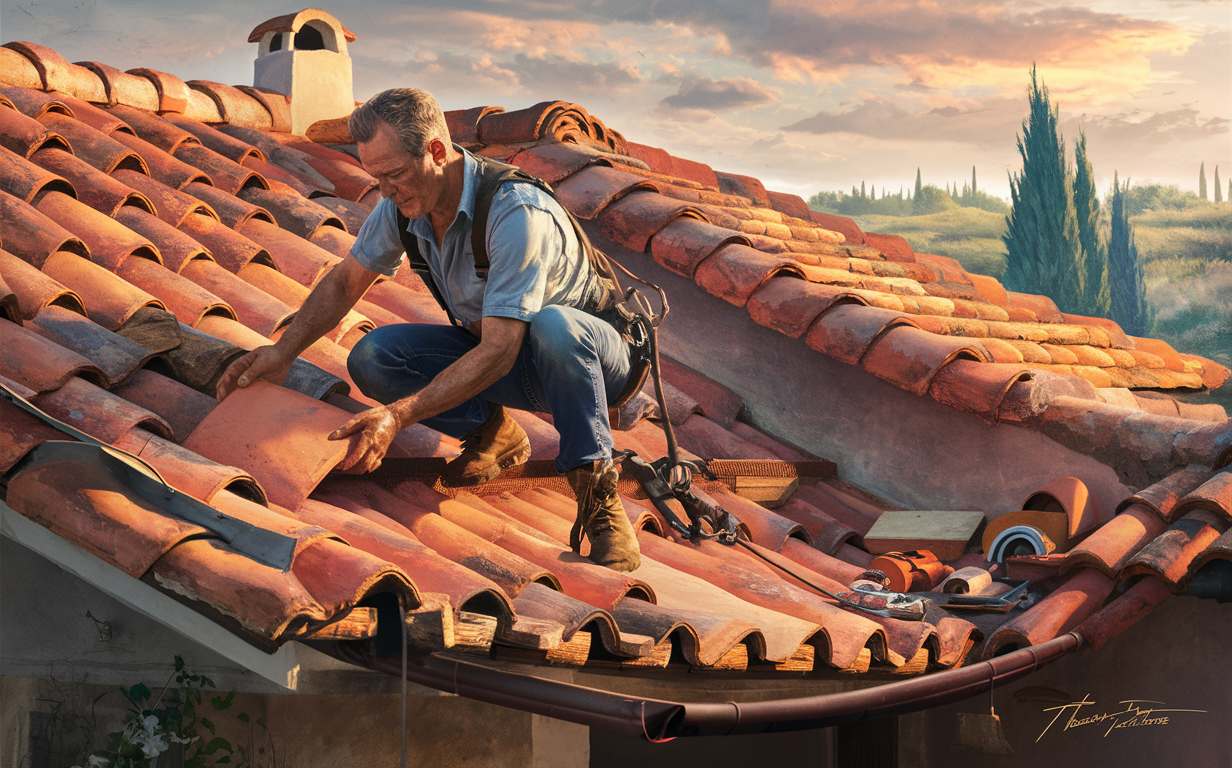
<point>261,363</point>
<point>377,428</point>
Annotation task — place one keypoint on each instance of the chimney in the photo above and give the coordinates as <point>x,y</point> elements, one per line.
<point>304,56</point>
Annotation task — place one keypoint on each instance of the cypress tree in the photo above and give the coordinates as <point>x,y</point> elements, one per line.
<point>1218,189</point>
<point>1129,307</point>
<point>862,194</point>
<point>1095,299</point>
<point>973,180</point>
<point>1043,252</point>
<point>918,184</point>
<point>1202,181</point>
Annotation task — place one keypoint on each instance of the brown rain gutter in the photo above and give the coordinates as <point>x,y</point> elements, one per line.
<point>658,720</point>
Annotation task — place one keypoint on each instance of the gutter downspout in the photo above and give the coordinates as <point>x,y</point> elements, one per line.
<point>658,720</point>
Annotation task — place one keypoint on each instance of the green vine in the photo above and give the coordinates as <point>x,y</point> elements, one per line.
<point>175,717</point>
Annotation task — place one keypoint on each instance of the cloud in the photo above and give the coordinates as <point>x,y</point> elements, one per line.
<point>989,122</point>
<point>704,93</point>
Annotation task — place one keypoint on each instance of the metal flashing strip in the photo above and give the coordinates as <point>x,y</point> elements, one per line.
<point>281,668</point>
<point>264,546</point>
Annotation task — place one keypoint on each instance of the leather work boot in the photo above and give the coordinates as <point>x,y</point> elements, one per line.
<point>601,517</point>
<point>492,447</point>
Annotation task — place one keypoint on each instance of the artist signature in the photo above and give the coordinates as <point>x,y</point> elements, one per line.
<point>1136,713</point>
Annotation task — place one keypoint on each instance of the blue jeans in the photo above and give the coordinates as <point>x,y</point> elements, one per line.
<point>572,365</point>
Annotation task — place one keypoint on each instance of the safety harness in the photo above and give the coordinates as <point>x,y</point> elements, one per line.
<point>667,481</point>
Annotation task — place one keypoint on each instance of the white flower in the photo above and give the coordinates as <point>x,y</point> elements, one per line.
<point>99,762</point>
<point>154,746</point>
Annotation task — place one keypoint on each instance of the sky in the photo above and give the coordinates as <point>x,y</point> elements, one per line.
<point>802,94</point>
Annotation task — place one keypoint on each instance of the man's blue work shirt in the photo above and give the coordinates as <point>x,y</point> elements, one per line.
<point>533,253</point>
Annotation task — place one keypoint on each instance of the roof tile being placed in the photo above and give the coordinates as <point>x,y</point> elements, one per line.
<point>212,210</point>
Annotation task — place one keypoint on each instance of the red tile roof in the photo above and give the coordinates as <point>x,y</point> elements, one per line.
<point>131,201</point>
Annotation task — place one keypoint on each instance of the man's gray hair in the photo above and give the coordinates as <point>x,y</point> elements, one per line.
<point>413,114</point>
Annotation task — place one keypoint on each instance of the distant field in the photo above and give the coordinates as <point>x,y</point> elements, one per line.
<point>1187,257</point>
<point>968,234</point>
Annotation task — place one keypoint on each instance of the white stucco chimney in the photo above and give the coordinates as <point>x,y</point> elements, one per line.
<point>304,55</point>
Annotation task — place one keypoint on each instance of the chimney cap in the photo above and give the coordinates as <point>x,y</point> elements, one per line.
<point>292,22</point>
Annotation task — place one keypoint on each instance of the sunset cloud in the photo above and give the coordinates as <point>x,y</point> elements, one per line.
<point>797,91</point>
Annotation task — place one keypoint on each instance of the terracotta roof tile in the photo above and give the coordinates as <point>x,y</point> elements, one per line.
<point>118,357</point>
<point>124,88</point>
<point>109,299</point>
<point>172,91</point>
<point>254,308</point>
<point>110,241</point>
<point>229,248</point>
<point>292,211</point>
<point>28,181</point>
<point>234,106</point>
<point>92,186</point>
<point>24,135</point>
<point>39,364</point>
<point>19,70</point>
<point>331,239</point>
<point>915,320</point>
<point>99,413</point>
<point>1169,556</point>
<point>82,502</point>
<point>292,22</point>
<point>35,291</point>
<point>292,255</point>
<point>56,74</point>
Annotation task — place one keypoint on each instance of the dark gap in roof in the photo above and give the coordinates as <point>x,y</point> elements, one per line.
<point>54,185</point>
<point>54,141</point>
<point>637,592</point>
<point>548,582</point>
<point>131,163</point>
<point>1007,648</point>
<point>160,366</point>
<point>254,181</point>
<point>276,42</point>
<point>140,201</point>
<point>219,311</point>
<point>334,222</point>
<point>308,38</point>
<point>264,259</point>
<point>69,302</point>
<point>388,640</point>
<point>484,602</point>
<point>319,193</point>
<point>285,322</point>
<point>247,489</point>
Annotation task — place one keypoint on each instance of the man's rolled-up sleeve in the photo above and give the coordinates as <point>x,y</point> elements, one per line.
<point>518,273</point>
<point>378,247</point>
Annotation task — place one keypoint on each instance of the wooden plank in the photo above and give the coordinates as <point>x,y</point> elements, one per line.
<point>431,625</point>
<point>947,534</point>
<point>473,632</point>
<point>571,653</point>
<point>916,665</point>
<point>735,660</point>
<point>356,624</point>
<point>861,664</point>
<point>802,660</point>
<point>770,492</point>
<point>532,633</point>
<point>658,657</point>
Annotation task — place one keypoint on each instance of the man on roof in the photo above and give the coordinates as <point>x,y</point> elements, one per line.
<point>523,336</point>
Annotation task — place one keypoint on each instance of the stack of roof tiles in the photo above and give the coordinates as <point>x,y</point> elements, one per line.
<point>154,229</point>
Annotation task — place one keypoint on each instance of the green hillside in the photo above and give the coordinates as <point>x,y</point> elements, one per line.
<point>1187,256</point>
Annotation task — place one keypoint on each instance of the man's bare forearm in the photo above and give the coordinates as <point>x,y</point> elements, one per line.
<point>468,376</point>
<point>325,307</point>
